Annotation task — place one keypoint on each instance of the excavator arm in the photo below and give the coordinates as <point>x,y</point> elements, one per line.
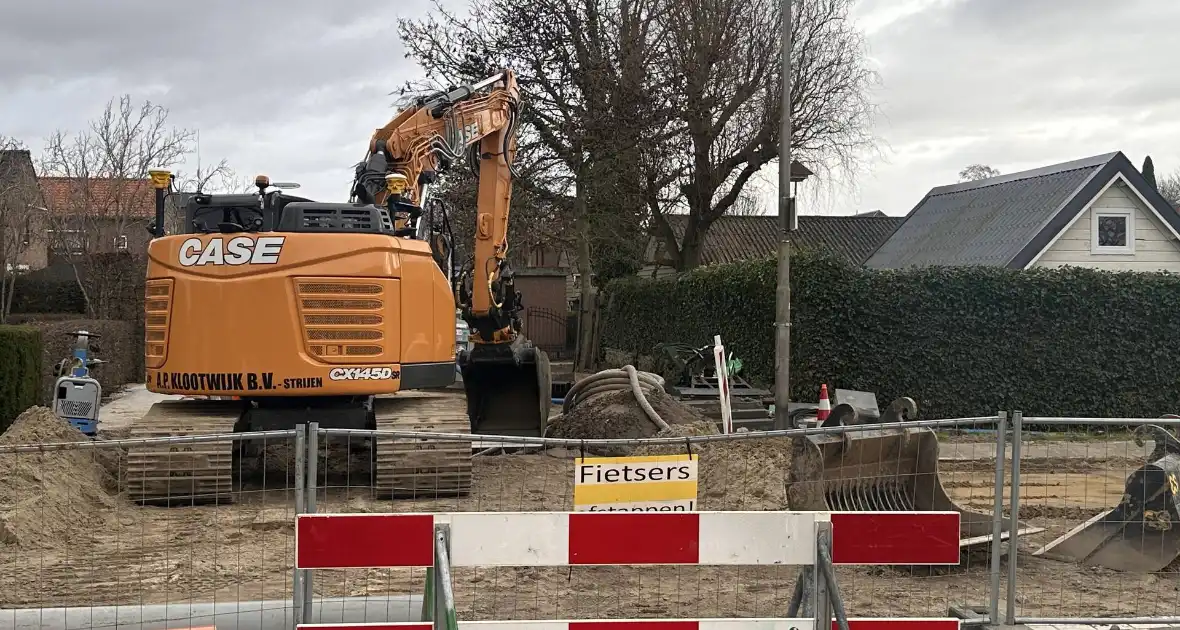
<point>507,379</point>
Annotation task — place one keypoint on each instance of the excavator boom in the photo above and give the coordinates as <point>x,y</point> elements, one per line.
<point>506,378</point>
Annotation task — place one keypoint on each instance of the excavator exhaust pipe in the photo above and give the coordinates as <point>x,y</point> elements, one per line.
<point>878,470</point>
<point>1142,533</point>
<point>508,388</point>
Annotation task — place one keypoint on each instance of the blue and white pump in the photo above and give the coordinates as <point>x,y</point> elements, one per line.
<point>76,395</point>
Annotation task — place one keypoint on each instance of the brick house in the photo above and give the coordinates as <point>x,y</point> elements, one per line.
<point>22,213</point>
<point>97,215</point>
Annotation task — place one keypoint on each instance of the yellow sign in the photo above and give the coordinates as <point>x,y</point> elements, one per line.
<point>650,483</point>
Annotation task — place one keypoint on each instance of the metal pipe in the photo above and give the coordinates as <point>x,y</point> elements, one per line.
<point>1103,422</point>
<point>180,439</point>
<point>822,601</point>
<point>1014,518</point>
<point>250,615</point>
<point>300,473</point>
<point>444,594</point>
<point>745,435</point>
<point>828,571</point>
<point>313,453</point>
<point>488,81</point>
<point>796,596</point>
<point>782,315</point>
<point>1099,620</point>
<point>997,517</point>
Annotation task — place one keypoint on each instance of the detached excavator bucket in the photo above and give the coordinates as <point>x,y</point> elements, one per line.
<point>508,389</point>
<point>878,470</point>
<point>1142,533</point>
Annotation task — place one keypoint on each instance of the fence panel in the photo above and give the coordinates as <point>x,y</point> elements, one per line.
<point>939,465</point>
<point>364,471</point>
<point>74,534</point>
<point>1122,568</point>
<point>548,329</point>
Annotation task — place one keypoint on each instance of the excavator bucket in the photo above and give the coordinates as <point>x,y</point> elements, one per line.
<point>1142,533</point>
<point>873,470</point>
<point>508,389</point>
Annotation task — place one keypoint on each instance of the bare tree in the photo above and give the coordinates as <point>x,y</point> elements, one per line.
<point>1169,187</point>
<point>728,96</point>
<point>103,198</point>
<point>583,66</point>
<point>976,172</point>
<point>21,216</point>
<point>748,205</point>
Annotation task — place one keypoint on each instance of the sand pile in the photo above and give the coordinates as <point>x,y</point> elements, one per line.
<point>745,474</point>
<point>50,499</point>
<point>617,415</point>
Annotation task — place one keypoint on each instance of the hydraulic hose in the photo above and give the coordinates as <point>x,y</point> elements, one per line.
<point>626,378</point>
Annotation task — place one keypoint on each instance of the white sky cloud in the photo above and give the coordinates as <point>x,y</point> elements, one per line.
<point>294,89</point>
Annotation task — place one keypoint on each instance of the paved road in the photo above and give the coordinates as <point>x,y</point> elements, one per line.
<point>129,405</point>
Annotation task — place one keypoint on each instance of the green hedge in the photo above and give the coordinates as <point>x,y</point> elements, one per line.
<point>963,341</point>
<point>47,295</point>
<point>20,371</point>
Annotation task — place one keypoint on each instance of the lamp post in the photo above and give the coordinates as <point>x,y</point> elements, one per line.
<point>782,318</point>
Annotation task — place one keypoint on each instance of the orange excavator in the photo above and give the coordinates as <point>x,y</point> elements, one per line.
<point>273,310</point>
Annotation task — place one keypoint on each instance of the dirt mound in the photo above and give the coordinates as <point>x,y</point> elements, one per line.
<point>51,499</point>
<point>743,474</point>
<point>617,415</point>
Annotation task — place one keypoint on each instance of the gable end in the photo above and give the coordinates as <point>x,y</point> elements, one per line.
<point>1086,195</point>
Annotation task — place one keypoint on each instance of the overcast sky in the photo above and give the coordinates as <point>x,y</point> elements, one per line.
<point>294,88</point>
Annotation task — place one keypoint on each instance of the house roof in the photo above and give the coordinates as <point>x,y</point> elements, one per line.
<point>734,238</point>
<point>16,164</point>
<point>1006,221</point>
<point>126,197</point>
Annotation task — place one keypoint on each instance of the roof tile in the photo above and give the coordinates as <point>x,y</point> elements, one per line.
<point>986,222</point>
<point>734,238</point>
<point>75,195</point>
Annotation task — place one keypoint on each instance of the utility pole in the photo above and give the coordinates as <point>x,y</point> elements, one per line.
<point>782,316</point>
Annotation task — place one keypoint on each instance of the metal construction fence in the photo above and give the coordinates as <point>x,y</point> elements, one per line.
<point>77,530</point>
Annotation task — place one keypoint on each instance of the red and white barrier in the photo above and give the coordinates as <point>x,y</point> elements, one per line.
<point>354,541</point>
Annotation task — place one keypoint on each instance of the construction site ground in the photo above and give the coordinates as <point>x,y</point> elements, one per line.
<point>81,543</point>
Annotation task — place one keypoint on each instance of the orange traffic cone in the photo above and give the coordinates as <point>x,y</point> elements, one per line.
<point>825,405</point>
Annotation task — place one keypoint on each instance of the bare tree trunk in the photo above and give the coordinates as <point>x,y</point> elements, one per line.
<point>5,274</point>
<point>599,320</point>
<point>5,297</point>
<point>82,287</point>
<point>586,299</point>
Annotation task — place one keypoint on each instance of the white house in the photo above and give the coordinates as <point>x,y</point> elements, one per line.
<point>1097,212</point>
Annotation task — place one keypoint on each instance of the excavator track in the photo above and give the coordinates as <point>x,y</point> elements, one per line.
<point>200,472</point>
<point>418,468</point>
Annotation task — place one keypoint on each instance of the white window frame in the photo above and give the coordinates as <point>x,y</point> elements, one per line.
<point>121,242</point>
<point>73,243</point>
<point>1128,215</point>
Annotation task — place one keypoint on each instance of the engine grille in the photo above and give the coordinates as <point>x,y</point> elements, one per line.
<point>74,408</point>
<point>157,313</point>
<point>338,321</point>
